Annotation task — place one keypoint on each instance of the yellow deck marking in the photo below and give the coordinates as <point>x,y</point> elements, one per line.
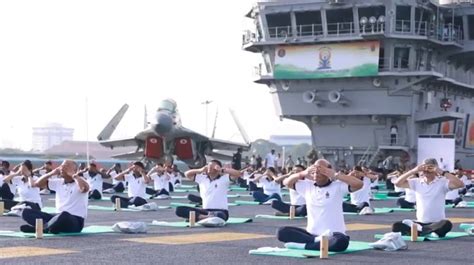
<point>197,238</point>
<point>20,252</point>
<point>461,220</point>
<point>359,226</point>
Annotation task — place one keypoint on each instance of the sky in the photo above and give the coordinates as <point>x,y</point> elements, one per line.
<point>57,55</point>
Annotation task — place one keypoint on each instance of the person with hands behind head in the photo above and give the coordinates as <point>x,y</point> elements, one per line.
<point>296,199</point>
<point>360,200</point>
<point>137,180</point>
<point>95,180</point>
<point>430,191</point>
<point>160,181</point>
<point>271,184</point>
<point>324,190</point>
<point>116,186</point>
<point>213,181</point>
<point>22,180</point>
<point>71,201</point>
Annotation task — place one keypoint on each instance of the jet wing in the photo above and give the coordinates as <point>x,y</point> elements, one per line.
<point>228,145</point>
<point>129,156</point>
<point>120,143</point>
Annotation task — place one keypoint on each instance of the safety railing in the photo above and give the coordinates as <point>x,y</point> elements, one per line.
<point>310,30</point>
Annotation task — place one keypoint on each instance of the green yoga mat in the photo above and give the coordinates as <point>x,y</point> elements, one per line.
<point>187,186</point>
<point>377,211</point>
<point>247,203</point>
<point>449,235</point>
<point>112,209</point>
<point>466,226</point>
<point>354,246</point>
<point>451,206</point>
<point>89,230</point>
<point>232,220</point>
<point>177,204</point>
<point>184,190</point>
<point>237,189</point>
<point>267,216</point>
<point>104,198</point>
<point>397,209</point>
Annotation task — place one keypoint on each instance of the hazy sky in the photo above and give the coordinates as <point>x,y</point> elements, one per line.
<point>55,53</point>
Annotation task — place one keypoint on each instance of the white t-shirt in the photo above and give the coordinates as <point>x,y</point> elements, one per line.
<point>270,160</point>
<point>296,198</point>
<point>397,189</point>
<point>69,198</point>
<point>270,187</point>
<point>465,180</point>
<point>160,181</point>
<point>362,195</point>
<point>410,196</point>
<point>95,182</point>
<point>324,206</point>
<point>213,193</point>
<point>175,176</point>
<point>430,198</point>
<point>452,195</point>
<point>279,162</point>
<point>113,174</point>
<point>25,192</point>
<point>136,186</point>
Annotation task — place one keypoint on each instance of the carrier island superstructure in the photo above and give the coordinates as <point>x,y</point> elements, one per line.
<point>369,77</point>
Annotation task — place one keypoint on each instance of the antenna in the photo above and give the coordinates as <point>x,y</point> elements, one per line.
<point>215,124</point>
<point>145,119</point>
<point>240,127</point>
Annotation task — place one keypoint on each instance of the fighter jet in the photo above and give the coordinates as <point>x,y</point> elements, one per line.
<point>165,139</point>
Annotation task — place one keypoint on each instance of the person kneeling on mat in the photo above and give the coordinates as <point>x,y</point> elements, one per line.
<point>296,199</point>
<point>271,184</point>
<point>324,190</point>
<point>137,182</point>
<point>430,190</point>
<point>213,181</point>
<point>71,202</point>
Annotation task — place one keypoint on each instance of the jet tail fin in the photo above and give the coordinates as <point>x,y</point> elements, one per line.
<point>240,127</point>
<point>112,125</point>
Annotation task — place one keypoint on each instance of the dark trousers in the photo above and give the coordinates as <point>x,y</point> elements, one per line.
<point>395,194</point>
<point>405,204</point>
<point>337,242</point>
<point>441,228</point>
<point>352,208</point>
<point>125,202</point>
<point>253,187</point>
<point>161,192</point>
<point>183,212</point>
<point>150,191</point>
<point>261,197</point>
<point>389,184</point>
<point>300,210</point>
<point>119,187</point>
<point>95,195</point>
<point>242,183</point>
<point>195,198</point>
<point>9,204</point>
<point>60,223</point>
<point>455,201</point>
<point>5,192</point>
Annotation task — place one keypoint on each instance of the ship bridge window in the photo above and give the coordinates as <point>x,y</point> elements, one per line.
<point>401,57</point>
<point>309,23</point>
<point>366,13</point>
<point>470,23</point>
<point>340,21</point>
<point>403,23</point>
<point>279,25</point>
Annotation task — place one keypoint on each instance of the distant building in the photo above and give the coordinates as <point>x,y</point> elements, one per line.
<point>290,140</point>
<point>50,135</point>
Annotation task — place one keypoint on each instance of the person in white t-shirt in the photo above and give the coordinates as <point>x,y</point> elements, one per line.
<point>22,180</point>
<point>71,202</point>
<point>296,199</point>
<point>270,159</point>
<point>117,185</point>
<point>271,185</point>
<point>95,180</point>
<point>43,170</point>
<point>430,191</point>
<point>360,198</point>
<point>213,181</point>
<point>408,201</point>
<point>6,190</point>
<point>160,181</point>
<point>137,182</point>
<point>324,190</point>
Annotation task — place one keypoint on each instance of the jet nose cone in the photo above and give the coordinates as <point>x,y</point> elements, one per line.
<point>164,123</point>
